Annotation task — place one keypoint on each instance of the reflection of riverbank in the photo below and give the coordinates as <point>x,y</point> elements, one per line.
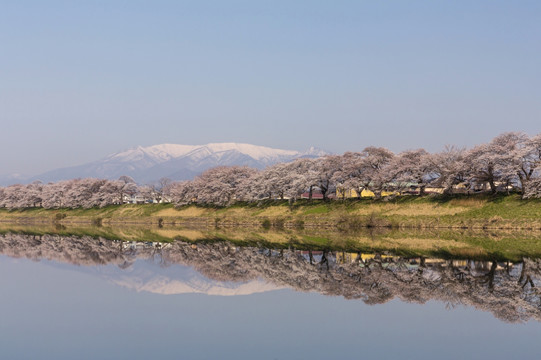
<point>479,244</point>
<point>508,290</point>
<point>474,212</point>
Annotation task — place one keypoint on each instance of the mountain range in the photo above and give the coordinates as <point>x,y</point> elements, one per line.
<point>177,162</point>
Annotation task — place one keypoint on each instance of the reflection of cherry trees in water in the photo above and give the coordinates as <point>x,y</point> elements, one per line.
<point>509,291</point>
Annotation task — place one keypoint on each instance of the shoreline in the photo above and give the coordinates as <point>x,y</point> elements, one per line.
<point>504,212</point>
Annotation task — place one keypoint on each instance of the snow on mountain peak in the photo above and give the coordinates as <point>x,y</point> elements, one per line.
<point>314,151</point>
<point>254,151</point>
<point>157,153</point>
<point>177,162</point>
<point>164,152</point>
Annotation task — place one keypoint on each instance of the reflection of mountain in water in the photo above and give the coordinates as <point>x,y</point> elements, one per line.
<point>138,266</point>
<point>178,279</point>
<point>509,291</point>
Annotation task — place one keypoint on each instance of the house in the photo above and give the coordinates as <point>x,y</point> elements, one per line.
<point>365,193</point>
<point>316,195</point>
<point>434,190</point>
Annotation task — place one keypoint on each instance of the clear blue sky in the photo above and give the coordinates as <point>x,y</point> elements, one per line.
<point>80,80</point>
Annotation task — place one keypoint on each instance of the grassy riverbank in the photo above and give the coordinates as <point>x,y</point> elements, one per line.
<point>472,212</point>
<point>501,245</point>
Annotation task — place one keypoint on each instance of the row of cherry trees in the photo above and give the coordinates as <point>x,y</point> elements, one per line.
<point>511,161</point>
<point>77,193</point>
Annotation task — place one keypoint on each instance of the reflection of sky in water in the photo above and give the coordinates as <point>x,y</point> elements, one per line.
<point>147,275</point>
<point>59,311</point>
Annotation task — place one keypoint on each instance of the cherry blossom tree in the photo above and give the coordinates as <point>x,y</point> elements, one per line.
<point>13,196</point>
<point>495,163</point>
<point>126,187</point>
<point>223,185</point>
<point>510,160</point>
<point>146,192</point>
<point>161,190</point>
<point>533,190</point>
<point>528,162</point>
<point>349,173</point>
<point>412,166</point>
<point>449,168</point>
<point>322,173</point>
<point>285,180</point>
<point>182,192</point>
<point>53,195</point>
<point>268,183</point>
<point>32,196</point>
<point>375,172</point>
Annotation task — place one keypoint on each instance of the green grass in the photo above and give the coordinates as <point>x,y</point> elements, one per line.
<point>510,207</point>
<point>321,209</point>
<point>320,240</point>
<point>488,245</point>
<point>478,211</point>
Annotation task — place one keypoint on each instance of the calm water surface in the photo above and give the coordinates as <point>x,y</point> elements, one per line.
<point>84,298</point>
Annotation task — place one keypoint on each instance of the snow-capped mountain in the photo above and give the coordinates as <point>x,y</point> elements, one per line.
<point>177,162</point>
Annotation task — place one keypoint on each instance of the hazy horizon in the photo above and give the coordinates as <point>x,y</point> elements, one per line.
<point>81,81</point>
<point>28,176</point>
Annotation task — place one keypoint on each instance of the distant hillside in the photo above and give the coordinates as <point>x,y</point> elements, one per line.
<point>177,162</point>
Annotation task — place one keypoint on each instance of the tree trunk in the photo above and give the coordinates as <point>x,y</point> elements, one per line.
<point>448,190</point>
<point>493,189</point>
<point>324,193</point>
<point>491,276</point>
